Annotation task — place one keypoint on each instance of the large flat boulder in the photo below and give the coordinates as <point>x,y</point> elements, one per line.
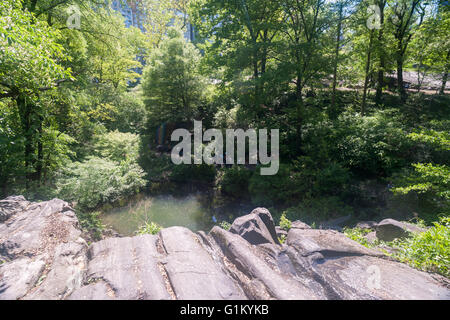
<point>192,271</point>
<point>124,269</point>
<point>348,270</point>
<point>390,229</point>
<point>42,251</point>
<point>262,280</point>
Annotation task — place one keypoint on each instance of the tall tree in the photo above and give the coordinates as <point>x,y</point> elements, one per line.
<point>30,66</point>
<point>172,87</point>
<point>381,4</point>
<point>305,24</point>
<point>407,16</point>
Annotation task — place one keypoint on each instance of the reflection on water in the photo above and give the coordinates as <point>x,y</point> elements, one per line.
<point>166,211</point>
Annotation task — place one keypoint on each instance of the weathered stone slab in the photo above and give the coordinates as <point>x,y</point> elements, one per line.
<point>244,255</point>
<point>42,256</point>
<point>192,272</point>
<point>129,267</point>
<point>42,252</point>
<point>348,270</point>
<point>390,229</point>
<point>11,206</point>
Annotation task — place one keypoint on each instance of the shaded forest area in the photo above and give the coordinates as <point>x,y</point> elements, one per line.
<point>78,118</point>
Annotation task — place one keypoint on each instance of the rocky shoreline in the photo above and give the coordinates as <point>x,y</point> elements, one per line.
<point>44,256</point>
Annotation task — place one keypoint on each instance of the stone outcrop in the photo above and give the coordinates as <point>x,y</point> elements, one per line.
<point>42,256</point>
<point>256,228</point>
<point>390,229</point>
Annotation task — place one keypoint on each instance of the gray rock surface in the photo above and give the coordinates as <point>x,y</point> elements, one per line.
<point>299,225</point>
<point>42,251</point>
<point>44,257</point>
<point>371,237</point>
<point>390,229</point>
<point>11,205</point>
<point>367,225</point>
<point>256,228</point>
<point>280,232</point>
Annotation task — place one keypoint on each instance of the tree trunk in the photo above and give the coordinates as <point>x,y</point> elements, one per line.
<point>419,81</point>
<point>40,157</point>
<point>366,78</point>
<point>445,75</point>
<point>444,82</point>
<point>299,108</point>
<point>336,55</point>
<point>25,115</point>
<point>400,86</point>
<point>380,82</point>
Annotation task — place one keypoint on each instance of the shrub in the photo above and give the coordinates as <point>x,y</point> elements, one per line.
<point>285,223</point>
<point>375,145</point>
<point>235,181</point>
<point>318,210</point>
<point>117,146</point>
<point>225,225</point>
<point>96,181</point>
<point>428,251</point>
<point>310,178</point>
<point>268,190</point>
<point>358,235</point>
<point>149,228</point>
<point>91,223</point>
<point>193,173</point>
<point>130,113</point>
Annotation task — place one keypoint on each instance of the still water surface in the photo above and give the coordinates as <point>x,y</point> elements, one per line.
<point>192,211</point>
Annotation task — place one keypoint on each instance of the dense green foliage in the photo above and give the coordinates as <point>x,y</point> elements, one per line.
<point>86,113</point>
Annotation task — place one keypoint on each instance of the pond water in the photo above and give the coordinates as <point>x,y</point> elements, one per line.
<point>192,211</point>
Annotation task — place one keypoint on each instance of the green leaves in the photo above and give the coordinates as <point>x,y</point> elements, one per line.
<point>29,50</point>
<point>173,88</point>
<point>429,178</point>
<point>429,251</point>
<point>97,181</point>
<point>149,228</point>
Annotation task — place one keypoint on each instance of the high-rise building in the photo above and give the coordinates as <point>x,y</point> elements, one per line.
<point>134,17</point>
<point>130,11</point>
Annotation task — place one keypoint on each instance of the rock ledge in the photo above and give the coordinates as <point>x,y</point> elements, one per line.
<point>43,256</point>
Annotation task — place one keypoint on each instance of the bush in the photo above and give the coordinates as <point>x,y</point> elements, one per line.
<point>225,225</point>
<point>91,223</point>
<point>318,210</point>
<point>268,190</point>
<point>375,145</point>
<point>193,173</point>
<point>358,235</point>
<point>428,251</point>
<point>429,181</point>
<point>312,179</point>
<point>285,223</point>
<point>235,181</point>
<point>117,146</point>
<point>130,113</point>
<point>149,228</point>
<point>97,181</point>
